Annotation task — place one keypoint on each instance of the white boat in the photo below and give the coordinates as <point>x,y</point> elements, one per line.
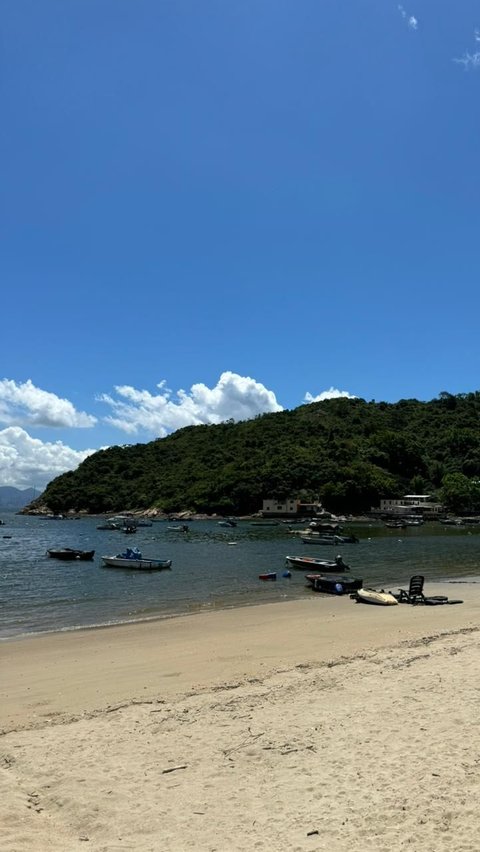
<point>315,538</point>
<point>371,596</point>
<point>132,558</point>
<point>323,565</point>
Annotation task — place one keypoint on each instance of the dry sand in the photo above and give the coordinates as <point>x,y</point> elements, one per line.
<point>311,725</point>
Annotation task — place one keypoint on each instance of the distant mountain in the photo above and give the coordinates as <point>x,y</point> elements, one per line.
<point>15,498</point>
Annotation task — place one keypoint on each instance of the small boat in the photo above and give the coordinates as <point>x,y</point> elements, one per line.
<point>323,527</point>
<point>132,558</point>
<point>396,525</point>
<point>227,522</point>
<point>108,525</point>
<point>69,553</point>
<point>371,596</point>
<point>271,575</point>
<point>129,529</point>
<point>333,585</point>
<point>313,538</point>
<point>323,565</point>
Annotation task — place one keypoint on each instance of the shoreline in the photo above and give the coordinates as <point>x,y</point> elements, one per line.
<point>204,609</point>
<point>85,670</point>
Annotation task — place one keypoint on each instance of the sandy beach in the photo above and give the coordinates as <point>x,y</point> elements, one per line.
<point>309,725</point>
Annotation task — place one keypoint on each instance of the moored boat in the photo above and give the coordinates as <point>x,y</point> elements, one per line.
<point>315,538</point>
<point>323,565</point>
<point>333,585</point>
<point>68,554</point>
<point>270,575</point>
<point>132,558</point>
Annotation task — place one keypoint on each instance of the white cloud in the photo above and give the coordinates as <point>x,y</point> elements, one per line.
<point>28,462</point>
<point>27,404</point>
<point>333,393</point>
<point>411,20</point>
<point>233,397</point>
<point>469,60</point>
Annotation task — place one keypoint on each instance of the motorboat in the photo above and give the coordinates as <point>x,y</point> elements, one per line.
<point>132,558</point>
<point>323,565</point>
<point>314,538</point>
<point>69,554</point>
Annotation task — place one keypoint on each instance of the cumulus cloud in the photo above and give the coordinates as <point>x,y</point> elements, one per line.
<point>24,403</point>
<point>233,397</point>
<point>26,462</point>
<point>333,393</point>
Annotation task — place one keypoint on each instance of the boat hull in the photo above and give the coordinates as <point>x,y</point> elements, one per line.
<point>371,596</point>
<point>136,564</point>
<point>332,585</point>
<point>69,554</point>
<point>332,540</point>
<point>310,563</point>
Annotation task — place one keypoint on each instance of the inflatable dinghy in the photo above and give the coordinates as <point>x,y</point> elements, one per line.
<point>370,596</point>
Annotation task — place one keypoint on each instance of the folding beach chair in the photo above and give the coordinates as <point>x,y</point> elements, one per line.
<point>414,595</point>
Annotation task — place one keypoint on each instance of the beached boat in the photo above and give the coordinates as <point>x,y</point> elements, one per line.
<point>336,585</point>
<point>371,596</point>
<point>323,565</point>
<point>132,558</point>
<point>69,554</point>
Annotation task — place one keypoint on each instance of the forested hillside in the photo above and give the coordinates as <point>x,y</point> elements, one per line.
<point>346,452</point>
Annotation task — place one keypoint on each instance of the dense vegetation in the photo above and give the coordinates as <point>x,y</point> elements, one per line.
<point>346,452</point>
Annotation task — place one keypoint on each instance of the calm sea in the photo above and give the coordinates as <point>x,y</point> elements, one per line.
<point>39,594</point>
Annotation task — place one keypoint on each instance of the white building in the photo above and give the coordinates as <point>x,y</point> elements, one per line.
<point>289,508</point>
<point>419,504</point>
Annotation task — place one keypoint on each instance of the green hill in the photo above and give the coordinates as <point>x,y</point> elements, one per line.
<point>346,452</point>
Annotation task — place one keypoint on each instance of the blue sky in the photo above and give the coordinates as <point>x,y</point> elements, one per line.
<point>211,209</point>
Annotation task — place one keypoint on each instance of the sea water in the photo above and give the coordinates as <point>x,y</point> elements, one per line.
<point>212,567</point>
